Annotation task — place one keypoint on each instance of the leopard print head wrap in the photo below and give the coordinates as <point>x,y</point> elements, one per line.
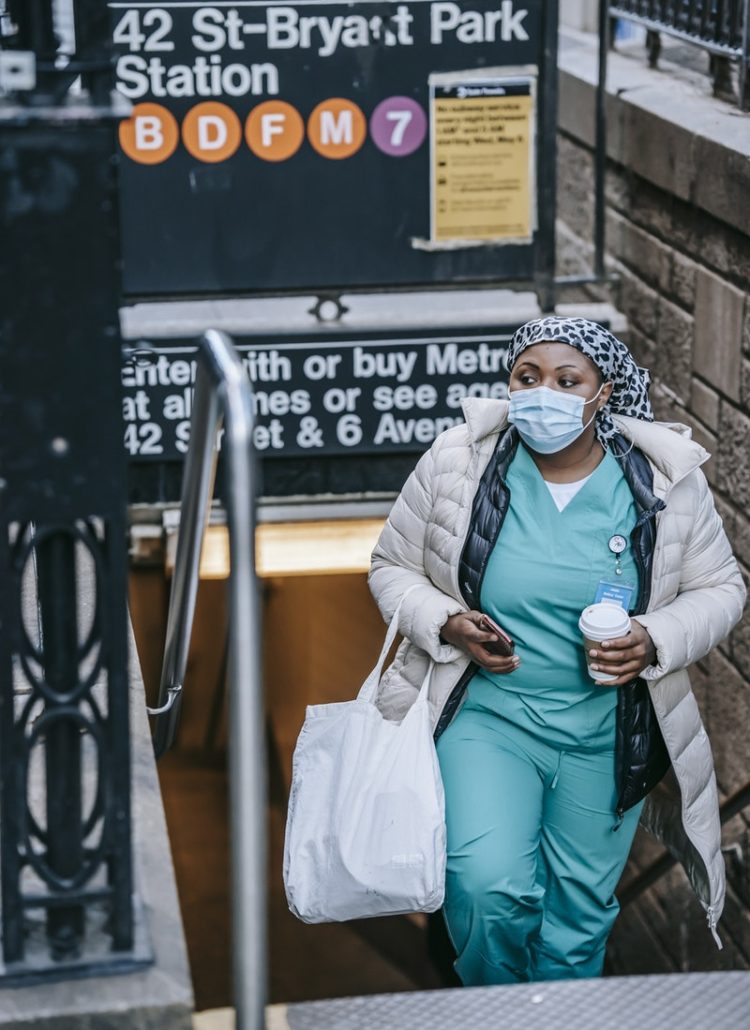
<point>611,356</point>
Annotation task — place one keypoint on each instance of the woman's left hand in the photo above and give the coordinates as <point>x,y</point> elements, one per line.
<point>624,657</point>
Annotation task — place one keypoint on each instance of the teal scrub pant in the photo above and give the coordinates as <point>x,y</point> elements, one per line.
<point>533,853</point>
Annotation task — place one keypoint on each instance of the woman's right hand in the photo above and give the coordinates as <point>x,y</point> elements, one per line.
<point>463,630</point>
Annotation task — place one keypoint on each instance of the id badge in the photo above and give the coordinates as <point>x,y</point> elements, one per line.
<point>615,593</point>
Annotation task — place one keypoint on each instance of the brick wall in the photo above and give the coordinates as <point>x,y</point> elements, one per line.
<point>683,280</point>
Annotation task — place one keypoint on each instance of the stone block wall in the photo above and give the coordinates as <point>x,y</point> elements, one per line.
<point>682,278</point>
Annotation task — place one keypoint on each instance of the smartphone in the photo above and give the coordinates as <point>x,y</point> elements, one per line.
<point>504,645</point>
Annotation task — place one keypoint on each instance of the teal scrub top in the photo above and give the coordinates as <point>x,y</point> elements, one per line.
<point>543,571</point>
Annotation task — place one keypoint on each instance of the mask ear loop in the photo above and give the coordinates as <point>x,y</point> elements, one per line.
<point>598,409</point>
<point>625,453</point>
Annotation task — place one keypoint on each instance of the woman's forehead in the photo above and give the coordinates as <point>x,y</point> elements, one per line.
<point>552,352</point>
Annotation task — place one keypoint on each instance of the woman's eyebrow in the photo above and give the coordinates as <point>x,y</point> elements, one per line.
<point>558,368</point>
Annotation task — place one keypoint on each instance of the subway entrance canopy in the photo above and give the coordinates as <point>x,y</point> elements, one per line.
<point>317,145</point>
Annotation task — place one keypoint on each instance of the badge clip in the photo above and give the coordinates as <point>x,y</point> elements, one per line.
<point>617,544</point>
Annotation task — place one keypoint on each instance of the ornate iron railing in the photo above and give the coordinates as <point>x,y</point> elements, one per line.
<point>722,27</point>
<point>66,864</point>
<point>66,871</point>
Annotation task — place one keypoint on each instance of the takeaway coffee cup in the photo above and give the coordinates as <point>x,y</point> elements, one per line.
<point>599,622</point>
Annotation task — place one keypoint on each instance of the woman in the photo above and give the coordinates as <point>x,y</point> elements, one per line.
<point>529,512</point>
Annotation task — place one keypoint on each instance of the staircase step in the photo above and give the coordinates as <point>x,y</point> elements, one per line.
<point>223,1019</point>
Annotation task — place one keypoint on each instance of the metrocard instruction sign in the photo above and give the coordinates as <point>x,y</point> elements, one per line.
<point>280,145</point>
<point>367,393</point>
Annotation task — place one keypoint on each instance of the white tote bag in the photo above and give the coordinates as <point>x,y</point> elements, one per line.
<point>365,832</point>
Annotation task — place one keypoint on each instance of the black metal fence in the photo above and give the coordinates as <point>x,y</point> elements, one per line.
<point>66,877</point>
<point>721,27</point>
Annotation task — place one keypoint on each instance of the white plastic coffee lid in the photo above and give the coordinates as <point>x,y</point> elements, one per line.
<point>604,621</point>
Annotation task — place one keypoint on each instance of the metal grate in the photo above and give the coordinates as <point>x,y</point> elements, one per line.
<point>692,1001</point>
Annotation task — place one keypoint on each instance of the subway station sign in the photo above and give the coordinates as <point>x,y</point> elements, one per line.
<point>366,393</point>
<point>316,144</point>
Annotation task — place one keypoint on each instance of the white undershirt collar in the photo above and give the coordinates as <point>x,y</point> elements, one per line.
<point>563,493</point>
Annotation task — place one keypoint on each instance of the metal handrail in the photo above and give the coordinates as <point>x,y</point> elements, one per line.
<point>661,865</point>
<point>222,390</point>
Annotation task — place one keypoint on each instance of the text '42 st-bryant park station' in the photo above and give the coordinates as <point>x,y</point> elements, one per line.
<point>148,34</point>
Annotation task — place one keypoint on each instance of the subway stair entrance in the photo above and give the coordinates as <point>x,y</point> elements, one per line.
<point>322,634</point>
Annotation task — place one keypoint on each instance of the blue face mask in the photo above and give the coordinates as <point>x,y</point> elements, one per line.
<point>548,420</point>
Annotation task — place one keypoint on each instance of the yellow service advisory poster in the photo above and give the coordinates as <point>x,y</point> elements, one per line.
<point>482,160</point>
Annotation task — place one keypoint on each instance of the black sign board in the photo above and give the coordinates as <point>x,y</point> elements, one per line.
<point>364,393</point>
<point>289,146</point>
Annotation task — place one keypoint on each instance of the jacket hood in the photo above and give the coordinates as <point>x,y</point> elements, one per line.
<point>667,445</point>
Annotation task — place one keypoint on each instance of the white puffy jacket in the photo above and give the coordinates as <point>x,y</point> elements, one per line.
<point>697,596</point>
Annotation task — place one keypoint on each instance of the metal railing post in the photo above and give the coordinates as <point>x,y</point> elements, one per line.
<point>744,76</point>
<point>58,604</point>
<point>600,153</point>
<point>247,786</point>
<point>544,271</point>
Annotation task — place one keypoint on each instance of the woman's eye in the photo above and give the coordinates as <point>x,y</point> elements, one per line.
<point>526,379</point>
<point>567,383</point>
